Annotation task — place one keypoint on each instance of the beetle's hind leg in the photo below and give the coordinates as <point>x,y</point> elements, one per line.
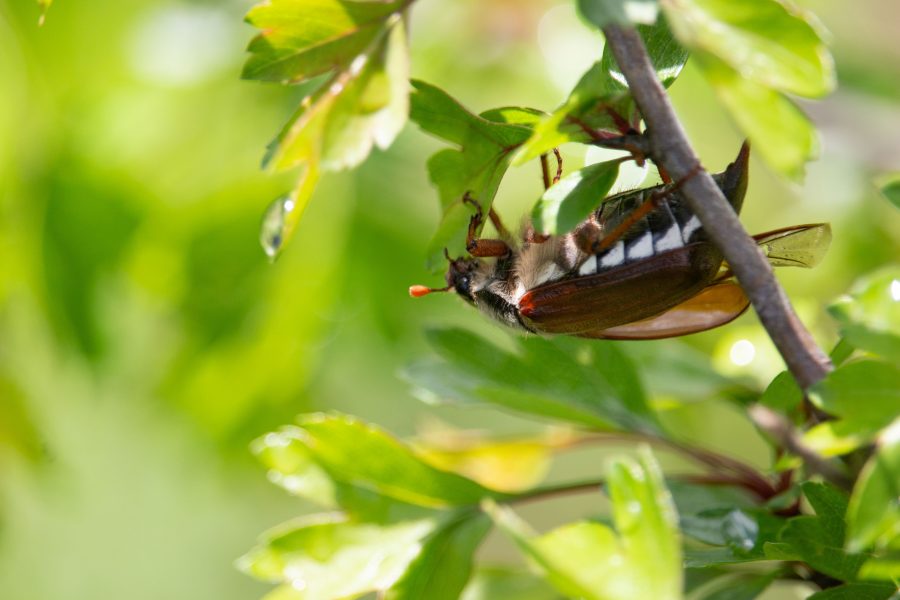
<point>589,238</point>
<point>485,248</point>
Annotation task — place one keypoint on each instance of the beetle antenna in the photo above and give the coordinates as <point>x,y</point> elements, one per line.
<point>417,291</point>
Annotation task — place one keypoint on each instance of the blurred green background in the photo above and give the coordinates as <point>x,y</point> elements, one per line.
<point>145,340</point>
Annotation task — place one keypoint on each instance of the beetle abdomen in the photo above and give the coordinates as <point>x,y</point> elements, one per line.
<point>669,226</point>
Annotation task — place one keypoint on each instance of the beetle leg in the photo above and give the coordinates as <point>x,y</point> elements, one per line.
<point>484,248</point>
<point>589,241</point>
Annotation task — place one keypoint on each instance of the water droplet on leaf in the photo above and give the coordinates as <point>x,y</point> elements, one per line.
<point>277,226</point>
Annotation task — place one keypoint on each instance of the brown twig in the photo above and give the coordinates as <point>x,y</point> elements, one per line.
<point>670,148</point>
<point>785,435</point>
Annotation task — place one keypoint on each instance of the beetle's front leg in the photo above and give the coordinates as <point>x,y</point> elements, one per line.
<point>484,248</point>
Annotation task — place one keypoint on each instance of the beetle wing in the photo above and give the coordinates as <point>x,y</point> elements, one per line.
<point>716,305</point>
<point>621,295</point>
<point>798,246</point>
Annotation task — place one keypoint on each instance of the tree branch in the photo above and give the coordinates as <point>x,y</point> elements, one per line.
<point>670,148</point>
<point>786,436</point>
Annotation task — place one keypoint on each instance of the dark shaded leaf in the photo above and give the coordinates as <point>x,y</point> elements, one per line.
<point>589,384</point>
<point>857,591</point>
<point>743,587</point>
<point>819,540</point>
<point>485,143</point>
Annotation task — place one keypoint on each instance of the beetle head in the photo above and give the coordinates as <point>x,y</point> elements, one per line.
<point>460,274</point>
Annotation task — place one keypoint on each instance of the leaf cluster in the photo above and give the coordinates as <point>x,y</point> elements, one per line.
<point>404,519</point>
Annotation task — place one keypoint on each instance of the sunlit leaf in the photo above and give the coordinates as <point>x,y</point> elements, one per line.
<point>869,314</point>
<point>873,515</point>
<point>599,388</point>
<point>778,130</point>
<point>503,464</point>
<point>325,557</point>
<point>363,455</point>
<point>600,105</point>
<point>300,39</point>
<point>771,43</point>
<point>864,394</point>
<point>485,146</point>
<point>443,566</point>
<point>819,540</point>
<point>593,561</point>
<point>291,466</point>
<point>574,197</point>
<point>366,105</point>
<point>885,567</point>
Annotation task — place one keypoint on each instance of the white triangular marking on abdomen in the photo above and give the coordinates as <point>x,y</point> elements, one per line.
<point>588,267</point>
<point>669,241</point>
<point>614,256</point>
<point>642,248</point>
<point>689,228</point>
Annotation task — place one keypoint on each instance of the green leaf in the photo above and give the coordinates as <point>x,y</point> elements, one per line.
<point>873,515</point>
<point>574,197</point>
<point>301,39</point>
<point>771,43</point>
<point>357,108</point>
<point>743,532</point>
<point>591,110</point>
<point>506,584</point>
<point>291,466</point>
<point>883,568</point>
<point>443,567</point>
<point>365,456</point>
<point>777,129</point>
<point>742,587</point>
<point>783,394</point>
<point>590,560</point>
<point>325,557</point>
<point>619,12</point>
<point>865,395</point>
<point>819,540</point>
<point>486,143</point>
<point>589,384</point>
<point>890,189</point>
<point>857,591</point>
<point>869,315</point>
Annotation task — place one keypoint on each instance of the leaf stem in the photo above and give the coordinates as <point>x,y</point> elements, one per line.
<point>670,148</point>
